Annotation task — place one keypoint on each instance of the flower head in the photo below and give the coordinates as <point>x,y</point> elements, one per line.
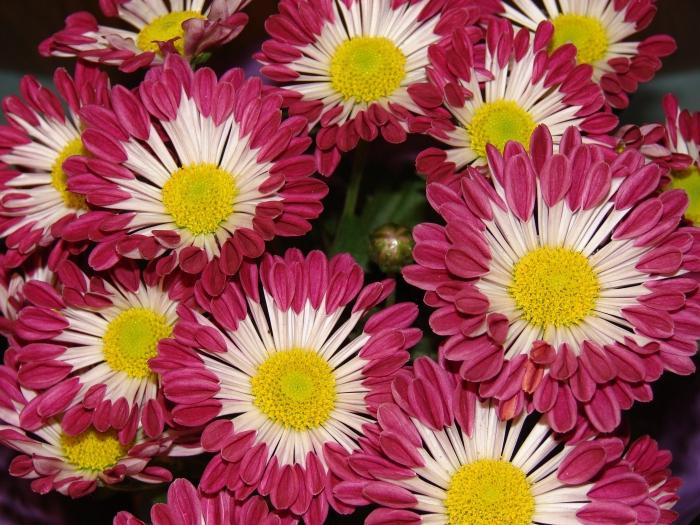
<point>602,30</point>
<point>282,377</point>
<point>186,28</point>
<point>683,145</point>
<point>74,465</point>
<point>518,87</point>
<point>88,349</point>
<point>193,172</point>
<point>35,203</point>
<point>202,509</point>
<point>565,282</point>
<point>440,455</point>
<point>350,64</point>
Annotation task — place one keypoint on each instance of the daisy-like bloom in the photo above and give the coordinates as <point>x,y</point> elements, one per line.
<point>603,33</point>
<point>231,176</point>
<point>88,349</point>
<point>278,380</point>
<point>186,27</point>
<point>35,204</point>
<point>683,143</point>
<point>74,465</point>
<point>186,506</point>
<point>564,282</point>
<point>440,455</point>
<point>349,65</point>
<point>523,88</point>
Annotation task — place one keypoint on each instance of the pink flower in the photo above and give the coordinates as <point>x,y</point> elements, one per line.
<point>87,347</point>
<point>473,100</point>
<point>74,465</point>
<point>348,65</point>
<point>602,30</point>
<point>186,506</point>
<point>193,172</point>
<point>563,281</point>
<point>282,377</point>
<point>35,204</point>
<point>439,454</point>
<point>185,28</point>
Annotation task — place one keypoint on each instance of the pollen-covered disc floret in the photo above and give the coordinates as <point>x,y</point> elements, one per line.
<point>131,339</point>
<point>35,202</point>
<point>439,454</point>
<point>526,88</point>
<point>295,388</point>
<point>554,287</point>
<point>200,197</point>
<point>561,282</point>
<point>93,451</point>
<point>75,463</point>
<point>367,69</point>
<point>231,175</point>
<point>489,491</point>
<point>603,32</point>
<point>188,28</point>
<point>164,29</point>
<point>351,70</point>
<point>101,334</point>
<point>284,375</point>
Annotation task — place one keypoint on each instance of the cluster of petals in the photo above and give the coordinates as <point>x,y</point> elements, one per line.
<point>179,118</point>
<point>595,202</point>
<point>42,459</point>
<point>208,27</point>
<point>510,68</point>
<point>187,506</point>
<point>62,357</point>
<point>42,128</point>
<point>625,63</point>
<point>287,303</point>
<point>305,36</point>
<point>437,424</point>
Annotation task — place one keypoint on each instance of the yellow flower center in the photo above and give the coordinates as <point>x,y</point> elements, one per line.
<point>489,492</point>
<point>554,287</point>
<point>58,177</point>
<point>200,197</point>
<point>132,339</point>
<point>498,122</point>
<point>587,33</point>
<point>92,450</point>
<point>367,68</point>
<point>166,28</point>
<point>295,388</point>
<point>689,180</point>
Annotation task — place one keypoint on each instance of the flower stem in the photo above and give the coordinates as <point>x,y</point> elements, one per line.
<point>358,169</point>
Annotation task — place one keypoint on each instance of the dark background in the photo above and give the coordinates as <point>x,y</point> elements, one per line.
<point>674,416</point>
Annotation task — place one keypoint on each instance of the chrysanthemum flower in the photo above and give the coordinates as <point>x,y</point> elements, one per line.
<point>277,378</point>
<point>440,455</point>
<point>523,88</point>
<point>349,65</point>
<point>74,465</point>
<point>231,175</point>
<point>35,204</point>
<point>565,280</point>
<point>89,346</point>
<point>185,27</point>
<point>683,143</point>
<point>185,503</point>
<point>602,30</point>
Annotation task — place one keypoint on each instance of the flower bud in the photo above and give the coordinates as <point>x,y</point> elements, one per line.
<point>390,247</point>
